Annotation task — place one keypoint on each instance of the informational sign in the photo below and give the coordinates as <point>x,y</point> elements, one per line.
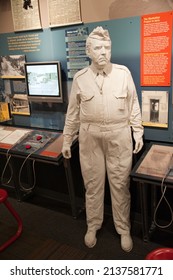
<point>75,49</point>
<point>64,12</point>
<point>25,43</point>
<point>13,136</point>
<point>26,15</point>
<point>156,46</point>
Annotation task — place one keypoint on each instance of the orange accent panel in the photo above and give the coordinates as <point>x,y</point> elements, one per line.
<point>5,146</point>
<point>156,46</point>
<point>49,154</point>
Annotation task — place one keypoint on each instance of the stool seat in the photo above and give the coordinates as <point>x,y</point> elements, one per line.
<point>7,204</point>
<point>3,195</point>
<point>160,254</point>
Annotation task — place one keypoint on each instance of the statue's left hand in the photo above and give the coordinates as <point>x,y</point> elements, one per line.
<point>138,145</point>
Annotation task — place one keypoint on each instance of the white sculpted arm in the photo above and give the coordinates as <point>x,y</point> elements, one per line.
<point>72,122</point>
<point>135,116</point>
<point>66,148</point>
<point>138,145</point>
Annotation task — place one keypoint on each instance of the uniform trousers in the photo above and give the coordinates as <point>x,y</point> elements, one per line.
<point>106,149</point>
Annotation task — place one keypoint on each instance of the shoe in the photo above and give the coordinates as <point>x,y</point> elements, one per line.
<point>90,238</point>
<point>126,242</point>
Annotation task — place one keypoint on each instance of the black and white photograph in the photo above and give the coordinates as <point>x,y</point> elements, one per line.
<point>19,99</point>
<point>12,66</point>
<point>15,95</point>
<point>155,108</point>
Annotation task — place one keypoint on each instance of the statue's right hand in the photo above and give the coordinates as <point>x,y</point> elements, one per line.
<point>66,151</point>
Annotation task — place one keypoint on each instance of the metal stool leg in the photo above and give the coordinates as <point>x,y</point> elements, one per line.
<point>3,196</point>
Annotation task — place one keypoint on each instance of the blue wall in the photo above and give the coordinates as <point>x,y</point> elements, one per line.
<point>125,35</point>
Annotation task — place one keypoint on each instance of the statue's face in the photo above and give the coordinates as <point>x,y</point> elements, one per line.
<point>100,52</point>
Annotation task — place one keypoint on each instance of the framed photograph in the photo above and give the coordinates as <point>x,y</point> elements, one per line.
<point>19,99</point>
<point>62,13</point>
<point>15,94</point>
<point>26,15</point>
<point>155,108</point>
<point>12,66</point>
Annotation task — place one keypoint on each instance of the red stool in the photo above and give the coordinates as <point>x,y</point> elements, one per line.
<point>3,199</point>
<point>160,254</point>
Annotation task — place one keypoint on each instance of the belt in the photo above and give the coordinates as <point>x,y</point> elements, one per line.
<point>102,128</point>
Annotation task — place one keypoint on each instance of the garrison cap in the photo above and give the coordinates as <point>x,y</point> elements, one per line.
<point>100,34</point>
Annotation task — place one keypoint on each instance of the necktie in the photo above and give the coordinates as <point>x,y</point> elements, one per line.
<point>100,80</point>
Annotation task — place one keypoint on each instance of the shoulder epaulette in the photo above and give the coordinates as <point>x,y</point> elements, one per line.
<point>81,72</point>
<point>122,67</point>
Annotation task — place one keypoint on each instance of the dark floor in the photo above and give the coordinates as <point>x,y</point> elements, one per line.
<point>50,234</point>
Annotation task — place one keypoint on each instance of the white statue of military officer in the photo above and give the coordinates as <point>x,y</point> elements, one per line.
<point>104,109</point>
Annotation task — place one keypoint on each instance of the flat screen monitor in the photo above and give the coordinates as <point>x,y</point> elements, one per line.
<point>43,81</point>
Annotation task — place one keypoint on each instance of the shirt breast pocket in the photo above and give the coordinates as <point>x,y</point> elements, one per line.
<point>87,104</point>
<point>120,99</point>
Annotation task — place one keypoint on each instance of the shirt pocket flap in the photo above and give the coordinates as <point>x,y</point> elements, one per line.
<point>121,97</point>
<point>85,96</point>
<point>120,94</point>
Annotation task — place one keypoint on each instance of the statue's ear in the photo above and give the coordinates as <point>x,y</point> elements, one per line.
<point>87,51</point>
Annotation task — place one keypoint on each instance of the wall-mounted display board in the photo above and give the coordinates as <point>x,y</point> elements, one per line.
<point>156,46</point>
<point>125,35</point>
<point>64,12</point>
<point>26,15</point>
<point>75,48</point>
